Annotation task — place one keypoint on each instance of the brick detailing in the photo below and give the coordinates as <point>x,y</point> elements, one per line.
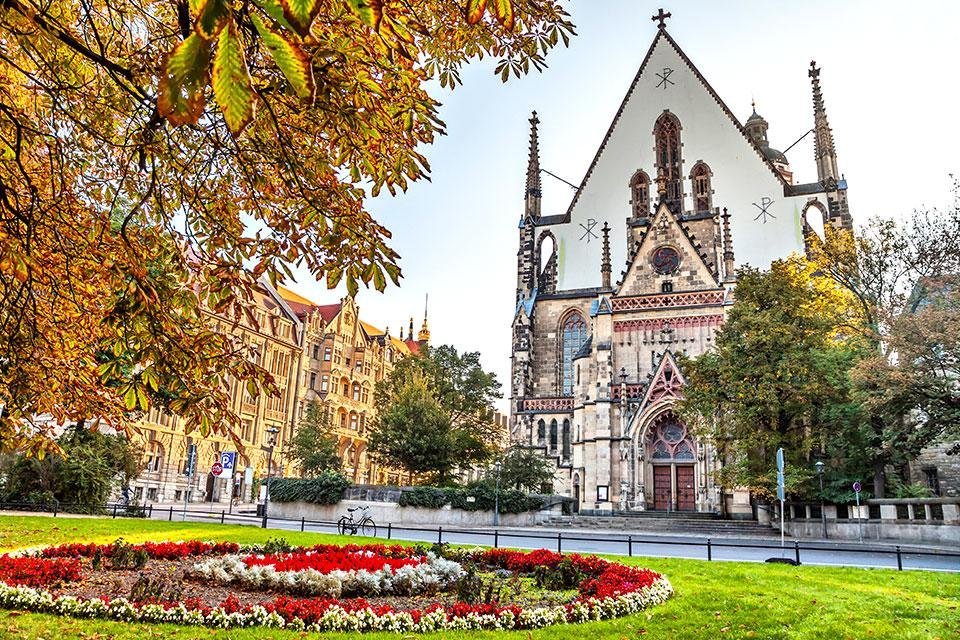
<point>634,391</point>
<point>683,322</point>
<point>546,404</point>
<point>659,301</point>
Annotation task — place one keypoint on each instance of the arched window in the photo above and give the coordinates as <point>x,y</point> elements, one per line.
<point>670,440</point>
<point>702,193</point>
<point>640,194</point>
<point>541,432</point>
<point>356,391</point>
<point>154,453</point>
<point>573,335</point>
<point>553,436</point>
<point>667,136</point>
<point>565,439</point>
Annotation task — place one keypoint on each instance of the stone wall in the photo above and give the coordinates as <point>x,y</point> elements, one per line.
<point>392,512</point>
<point>946,468</point>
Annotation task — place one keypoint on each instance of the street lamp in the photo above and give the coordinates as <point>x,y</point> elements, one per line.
<point>497,466</point>
<point>272,442</point>
<point>823,516</point>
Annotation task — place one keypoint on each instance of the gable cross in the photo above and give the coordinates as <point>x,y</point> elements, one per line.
<point>662,17</point>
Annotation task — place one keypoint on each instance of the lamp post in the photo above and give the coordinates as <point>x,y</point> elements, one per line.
<point>823,516</point>
<point>272,442</point>
<point>496,495</point>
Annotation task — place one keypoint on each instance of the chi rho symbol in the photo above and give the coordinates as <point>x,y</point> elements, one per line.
<point>665,78</point>
<point>764,207</point>
<point>588,231</point>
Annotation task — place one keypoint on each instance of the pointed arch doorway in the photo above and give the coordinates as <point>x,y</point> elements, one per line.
<point>671,452</point>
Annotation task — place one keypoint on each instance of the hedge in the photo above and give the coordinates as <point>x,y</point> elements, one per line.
<point>484,498</point>
<point>326,488</point>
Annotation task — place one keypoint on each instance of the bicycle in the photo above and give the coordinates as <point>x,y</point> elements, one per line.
<point>365,525</point>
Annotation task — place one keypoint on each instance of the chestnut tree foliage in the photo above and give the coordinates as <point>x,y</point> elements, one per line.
<point>159,157</point>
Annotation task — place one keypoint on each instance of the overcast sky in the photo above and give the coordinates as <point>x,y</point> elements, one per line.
<point>889,82</point>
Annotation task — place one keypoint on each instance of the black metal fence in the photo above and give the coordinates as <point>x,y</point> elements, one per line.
<point>624,545</point>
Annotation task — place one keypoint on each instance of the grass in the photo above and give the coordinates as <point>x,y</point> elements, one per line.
<point>713,600</point>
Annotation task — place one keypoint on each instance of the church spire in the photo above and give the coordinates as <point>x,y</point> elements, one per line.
<point>533,190</point>
<point>605,263</point>
<point>823,149</point>
<point>423,336</point>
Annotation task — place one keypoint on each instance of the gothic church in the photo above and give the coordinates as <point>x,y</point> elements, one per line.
<point>677,188</point>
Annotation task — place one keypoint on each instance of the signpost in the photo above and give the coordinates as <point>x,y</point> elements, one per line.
<point>191,468</point>
<point>857,488</point>
<point>781,491</point>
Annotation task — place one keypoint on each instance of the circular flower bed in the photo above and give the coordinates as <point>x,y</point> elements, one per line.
<point>325,587</point>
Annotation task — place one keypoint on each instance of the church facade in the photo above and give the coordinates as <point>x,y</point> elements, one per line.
<point>678,188</point>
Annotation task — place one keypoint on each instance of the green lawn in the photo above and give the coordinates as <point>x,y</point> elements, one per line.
<point>713,600</point>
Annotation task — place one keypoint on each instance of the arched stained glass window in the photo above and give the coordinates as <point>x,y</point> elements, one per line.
<point>565,439</point>
<point>667,135</point>
<point>670,440</point>
<point>640,194</point>
<point>574,334</point>
<point>553,436</point>
<point>702,193</point>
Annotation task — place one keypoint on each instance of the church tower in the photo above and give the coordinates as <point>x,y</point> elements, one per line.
<point>825,155</point>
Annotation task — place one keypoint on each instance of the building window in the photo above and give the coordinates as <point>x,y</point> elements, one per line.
<point>666,287</point>
<point>354,421</point>
<point>640,194</point>
<point>345,388</point>
<point>324,384</point>
<point>553,436</point>
<point>541,432</point>
<point>327,352</point>
<point>313,381</point>
<point>365,395</point>
<point>702,194</point>
<point>565,439</point>
<point>151,494</point>
<point>356,391</point>
<point>574,334</point>
<point>316,352</point>
<point>667,135</point>
<point>154,457</point>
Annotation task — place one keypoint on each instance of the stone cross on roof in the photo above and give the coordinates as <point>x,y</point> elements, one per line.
<point>662,17</point>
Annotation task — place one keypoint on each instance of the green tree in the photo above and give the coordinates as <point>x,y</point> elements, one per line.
<point>524,469</point>
<point>435,413</point>
<point>902,277</point>
<point>777,376</point>
<point>313,447</point>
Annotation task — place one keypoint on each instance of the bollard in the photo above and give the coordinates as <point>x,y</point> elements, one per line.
<point>630,546</point>
<point>303,523</point>
<point>389,530</point>
<point>114,511</point>
<point>223,514</point>
<point>263,525</point>
<point>496,539</point>
<point>899,559</point>
<point>54,509</point>
<point>171,514</point>
<point>709,551</point>
<point>796,550</point>
<point>559,542</point>
<point>150,511</point>
<point>440,535</point>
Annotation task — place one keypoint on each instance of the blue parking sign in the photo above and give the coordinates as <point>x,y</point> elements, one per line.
<point>228,460</point>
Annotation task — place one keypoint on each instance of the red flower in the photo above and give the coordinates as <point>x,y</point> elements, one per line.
<point>38,572</point>
<point>332,558</point>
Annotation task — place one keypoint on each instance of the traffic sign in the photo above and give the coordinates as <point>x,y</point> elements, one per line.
<point>228,459</point>
<point>857,487</point>
<point>217,469</point>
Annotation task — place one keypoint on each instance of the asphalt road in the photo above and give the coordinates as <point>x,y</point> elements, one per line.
<point>867,554</point>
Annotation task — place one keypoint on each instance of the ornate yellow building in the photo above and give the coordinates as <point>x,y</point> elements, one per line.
<point>343,359</point>
<point>278,338</point>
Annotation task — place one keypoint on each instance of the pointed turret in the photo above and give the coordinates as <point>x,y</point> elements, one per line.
<point>825,155</point>
<point>605,263</point>
<point>728,265</point>
<point>423,337</point>
<point>533,189</point>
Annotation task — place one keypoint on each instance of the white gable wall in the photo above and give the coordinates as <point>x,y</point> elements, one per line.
<point>740,177</point>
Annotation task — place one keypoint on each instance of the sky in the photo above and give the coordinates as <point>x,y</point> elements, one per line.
<point>888,79</point>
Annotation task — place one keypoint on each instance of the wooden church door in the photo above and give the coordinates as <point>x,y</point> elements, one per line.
<point>661,487</point>
<point>686,494</point>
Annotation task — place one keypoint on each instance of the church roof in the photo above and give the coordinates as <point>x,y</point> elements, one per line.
<point>662,33</point>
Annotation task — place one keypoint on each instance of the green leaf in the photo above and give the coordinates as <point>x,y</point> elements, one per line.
<point>273,9</point>
<point>503,9</point>
<point>379,282</point>
<point>475,9</point>
<point>300,13</point>
<point>292,60</point>
<point>130,397</point>
<point>231,81</point>
<point>370,11</point>
<point>181,97</point>
<point>212,19</point>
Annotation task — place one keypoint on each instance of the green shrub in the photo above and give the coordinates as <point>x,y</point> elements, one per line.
<point>426,497</point>
<point>479,496</point>
<point>326,488</point>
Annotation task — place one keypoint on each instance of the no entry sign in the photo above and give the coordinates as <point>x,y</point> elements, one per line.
<point>217,469</point>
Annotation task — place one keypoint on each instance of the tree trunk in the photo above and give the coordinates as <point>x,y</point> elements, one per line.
<point>879,479</point>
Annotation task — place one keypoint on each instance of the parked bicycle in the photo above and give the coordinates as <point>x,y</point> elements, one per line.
<point>365,524</point>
